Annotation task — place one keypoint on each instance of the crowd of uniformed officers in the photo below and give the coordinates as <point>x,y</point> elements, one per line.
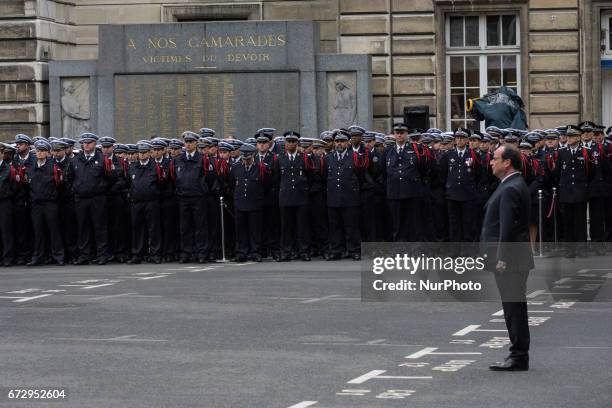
<point>288,197</point>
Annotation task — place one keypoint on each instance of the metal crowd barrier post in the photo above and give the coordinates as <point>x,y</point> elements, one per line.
<point>222,205</point>
<point>540,197</point>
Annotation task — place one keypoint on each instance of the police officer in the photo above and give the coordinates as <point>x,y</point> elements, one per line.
<point>168,207</point>
<point>600,187</point>
<point>317,203</point>
<point>8,187</point>
<point>145,179</point>
<point>344,174</point>
<point>90,174</point>
<point>117,205</point>
<point>226,191</point>
<point>573,172</point>
<point>461,172</point>
<point>22,160</point>
<point>405,167</point>
<point>271,221</point>
<point>247,181</point>
<point>191,172</point>
<point>294,172</point>
<point>66,209</point>
<point>43,180</point>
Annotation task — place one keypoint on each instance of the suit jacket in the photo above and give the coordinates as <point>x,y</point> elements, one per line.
<point>505,228</point>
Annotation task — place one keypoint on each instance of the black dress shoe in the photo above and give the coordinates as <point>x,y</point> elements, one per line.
<point>333,257</point>
<point>203,260</point>
<point>7,263</point>
<point>356,257</point>
<point>133,261</point>
<point>102,261</point>
<point>283,259</point>
<point>255,258</point>
<point>34,263</point>
<point>510,364</point>
<point>305,258</point>
<point>60,263</point>
<point>155,260</point>
<point>240,259</point>
<point>184,260</point>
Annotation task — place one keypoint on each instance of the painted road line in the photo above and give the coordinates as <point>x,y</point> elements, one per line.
<point>377,374</point>
<point>27,299</point>
<point>353,392</point>
<point>535,293</point>
<point>562,281</point>
<point>474,328</point>
<point>498,313</point>
<point>432,350</point>
<point>128,338</point>
<point>121,295</point>
<point>303,404</point>
<point>313,300</point>
<point>320,343</point>
<point>466,330</point>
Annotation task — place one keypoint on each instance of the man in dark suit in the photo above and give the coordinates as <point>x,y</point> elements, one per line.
<point>505,238</point>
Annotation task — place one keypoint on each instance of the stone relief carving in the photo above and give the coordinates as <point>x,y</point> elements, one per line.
<point>75,107</point>
<point>342,100</point>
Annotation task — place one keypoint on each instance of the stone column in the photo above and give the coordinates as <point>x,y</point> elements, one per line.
<point>31,33</point>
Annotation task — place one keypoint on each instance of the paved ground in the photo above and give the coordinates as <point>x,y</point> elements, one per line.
<point>284,335</point>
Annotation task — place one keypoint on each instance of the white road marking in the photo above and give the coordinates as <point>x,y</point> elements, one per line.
<point>498,313</point>
<point>319,299</point>
<point>129,338</point>
<point>377,374</point>
<point>320,343</point>
<point>303,404</point>
<point>432,351</point>
<point>377,341</point>
<point>562,281</point>
<point>535,293</point>
<point>121,295</point>
<point>466,330</point>
<point>89,287</point>
<point>353,392</point>
<point>27,299</point>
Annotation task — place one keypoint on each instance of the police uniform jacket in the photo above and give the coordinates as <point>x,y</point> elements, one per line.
<point>573,173</point>
<point>7,182</point>
<point>190,175</point>
<point>405,171</point>
<point>271,183</point>
<point>88,177</point>
<point>118,184</point>
<point>145,181</point>
<point>460,180</point>
<point>343,179</point>
<point>166,187</point>
<point>293,179</point>
<point>43,181</point>
<point>248,187</point>
<point>601,184</point>
<point>65,192</point>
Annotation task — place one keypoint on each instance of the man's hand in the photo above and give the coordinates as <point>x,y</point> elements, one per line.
<point>500,267</point>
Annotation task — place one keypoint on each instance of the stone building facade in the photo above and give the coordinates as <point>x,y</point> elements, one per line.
<point>435,53</point>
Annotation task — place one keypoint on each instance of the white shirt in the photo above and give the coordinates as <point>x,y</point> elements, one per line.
<point>341,155</point>
<point>400,148</point>
<point>40,165</point>
<point>190,155</point>
<point>291,156</point>
<point>1,161</point>
<point>461,152</point>
<point>159,161</point>
<point>511,174</point>
<point>145,163</point>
